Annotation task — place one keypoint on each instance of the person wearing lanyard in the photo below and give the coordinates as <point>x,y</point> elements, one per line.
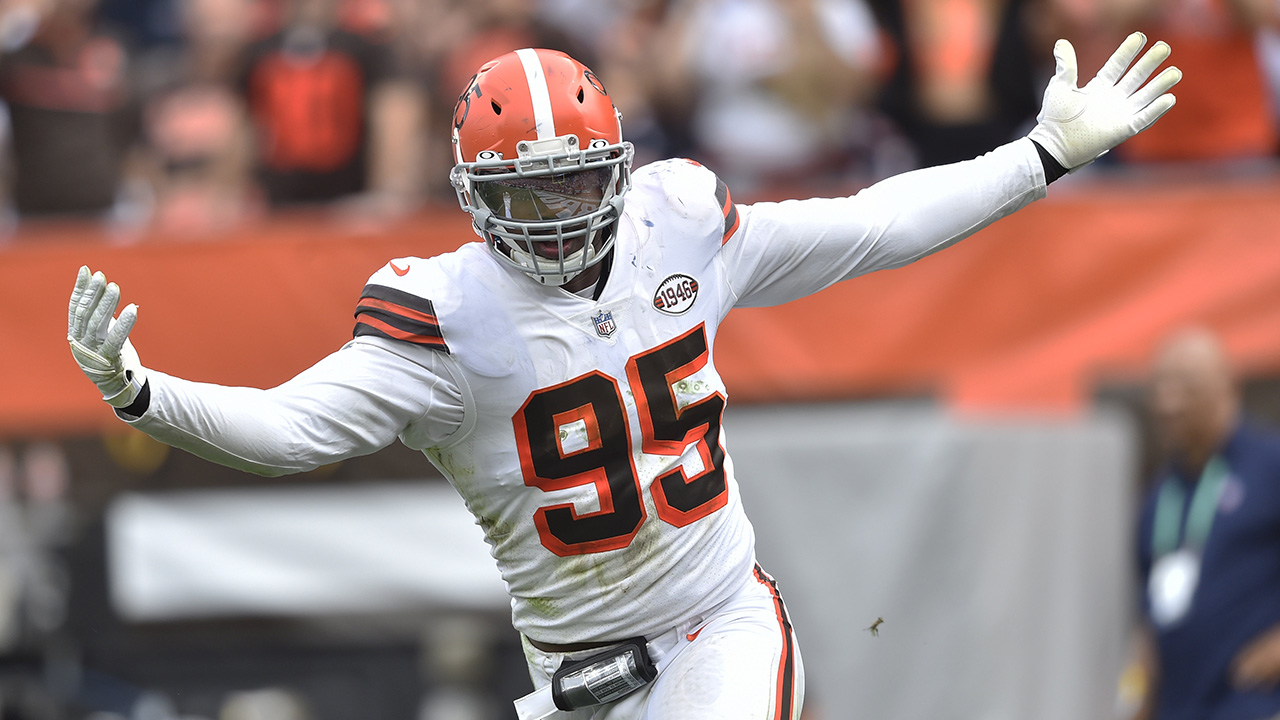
<point>1209,545</point>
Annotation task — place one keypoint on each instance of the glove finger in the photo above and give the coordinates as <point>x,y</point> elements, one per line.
<point>102,314</point>
<point>88,304</point>
<point>82,284</point>
<point>1064,54</point>
<point>119,331</point>
<point>1142,69</point>
<point>1120,59</point>
<point>1151,113</point>
<point>1154,89</point>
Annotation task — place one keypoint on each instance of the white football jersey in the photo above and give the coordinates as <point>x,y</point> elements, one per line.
<point>585,435</point>
<point>594,454</point>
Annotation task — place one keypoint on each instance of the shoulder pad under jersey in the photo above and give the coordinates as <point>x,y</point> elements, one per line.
<point>692,192</point>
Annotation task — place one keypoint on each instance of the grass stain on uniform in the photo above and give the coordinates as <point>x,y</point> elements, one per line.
<point>495,529</point>
<point>457,473</point>
<point>544,606</point>
<point>688,392</point>
<point>576,568</point>
<point>691,387</point>
<point>642,549</point>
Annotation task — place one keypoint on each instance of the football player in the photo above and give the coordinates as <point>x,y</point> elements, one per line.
<point>560,374</point>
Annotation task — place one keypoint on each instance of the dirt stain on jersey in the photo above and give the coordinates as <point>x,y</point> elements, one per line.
<point>642,550</point>
<point>544,606</point>
<point>689,391</point>
<point>579,569</point>
<point>447,464</point>
<point>495,529</point>
<point>600,570</point>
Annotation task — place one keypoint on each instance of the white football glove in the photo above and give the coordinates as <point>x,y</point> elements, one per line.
<point>100,342</point>
<point>1076,125</point>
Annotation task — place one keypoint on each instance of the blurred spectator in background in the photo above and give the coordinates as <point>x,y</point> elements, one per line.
<point>445,41</point>
<point>37,523</point>
<point>963,79</point>
<point>1209,545</point>
<point>776,88</point>
<point>333,117</point>
<point>485,29</point>
<point>193,121</point>
<point>66,84</point>
<point>1226,98</point>
<point>589,22</point>
<point>12,544</point>
<point>640,54</point>
<point>1269,57</point>
<point>148,22</point>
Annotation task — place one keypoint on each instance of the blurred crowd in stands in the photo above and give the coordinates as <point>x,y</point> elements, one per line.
<point>192,115</point>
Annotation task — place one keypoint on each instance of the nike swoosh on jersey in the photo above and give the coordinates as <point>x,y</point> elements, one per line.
<point>396,269</point>
<point>398,315</point>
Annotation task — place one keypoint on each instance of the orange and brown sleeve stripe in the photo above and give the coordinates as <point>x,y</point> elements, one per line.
<point>728,209</point>
<point>398,315</point>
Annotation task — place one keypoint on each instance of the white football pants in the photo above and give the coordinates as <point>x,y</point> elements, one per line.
<point>741,662</point>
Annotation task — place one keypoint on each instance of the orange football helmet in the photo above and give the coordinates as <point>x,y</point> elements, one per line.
<point>541,164</point>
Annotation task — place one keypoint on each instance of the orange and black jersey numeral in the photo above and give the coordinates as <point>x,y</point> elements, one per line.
<point>398,315</point>
<point>728,209</point>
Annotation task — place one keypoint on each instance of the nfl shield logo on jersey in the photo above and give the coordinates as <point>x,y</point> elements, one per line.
<point>605,326</point>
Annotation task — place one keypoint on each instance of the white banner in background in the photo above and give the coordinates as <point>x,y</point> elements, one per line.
<point>372,547</point>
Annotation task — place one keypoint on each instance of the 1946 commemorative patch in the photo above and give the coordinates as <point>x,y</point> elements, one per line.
<point>676,294</point>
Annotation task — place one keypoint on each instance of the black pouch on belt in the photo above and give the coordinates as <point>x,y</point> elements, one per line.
<point>604,677</point>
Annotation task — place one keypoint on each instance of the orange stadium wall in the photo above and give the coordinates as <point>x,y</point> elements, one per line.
<point>1027,315</point>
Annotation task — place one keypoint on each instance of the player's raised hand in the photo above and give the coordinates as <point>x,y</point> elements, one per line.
<point>1077,124</point>
<point>100,341</point>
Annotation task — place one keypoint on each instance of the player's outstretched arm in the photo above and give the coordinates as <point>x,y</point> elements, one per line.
<point>349,403</point>
<point>787,250</point>
<point>1078,124</point>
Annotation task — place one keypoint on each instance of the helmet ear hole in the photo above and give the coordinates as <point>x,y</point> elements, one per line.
<point>497,109</point>
<point>580,96</point>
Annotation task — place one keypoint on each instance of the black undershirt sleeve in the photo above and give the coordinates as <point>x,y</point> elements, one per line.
<point>138,407</point>
<point>1052,168</point>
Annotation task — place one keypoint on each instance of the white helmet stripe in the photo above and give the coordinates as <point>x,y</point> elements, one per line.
<point>544,123</point>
